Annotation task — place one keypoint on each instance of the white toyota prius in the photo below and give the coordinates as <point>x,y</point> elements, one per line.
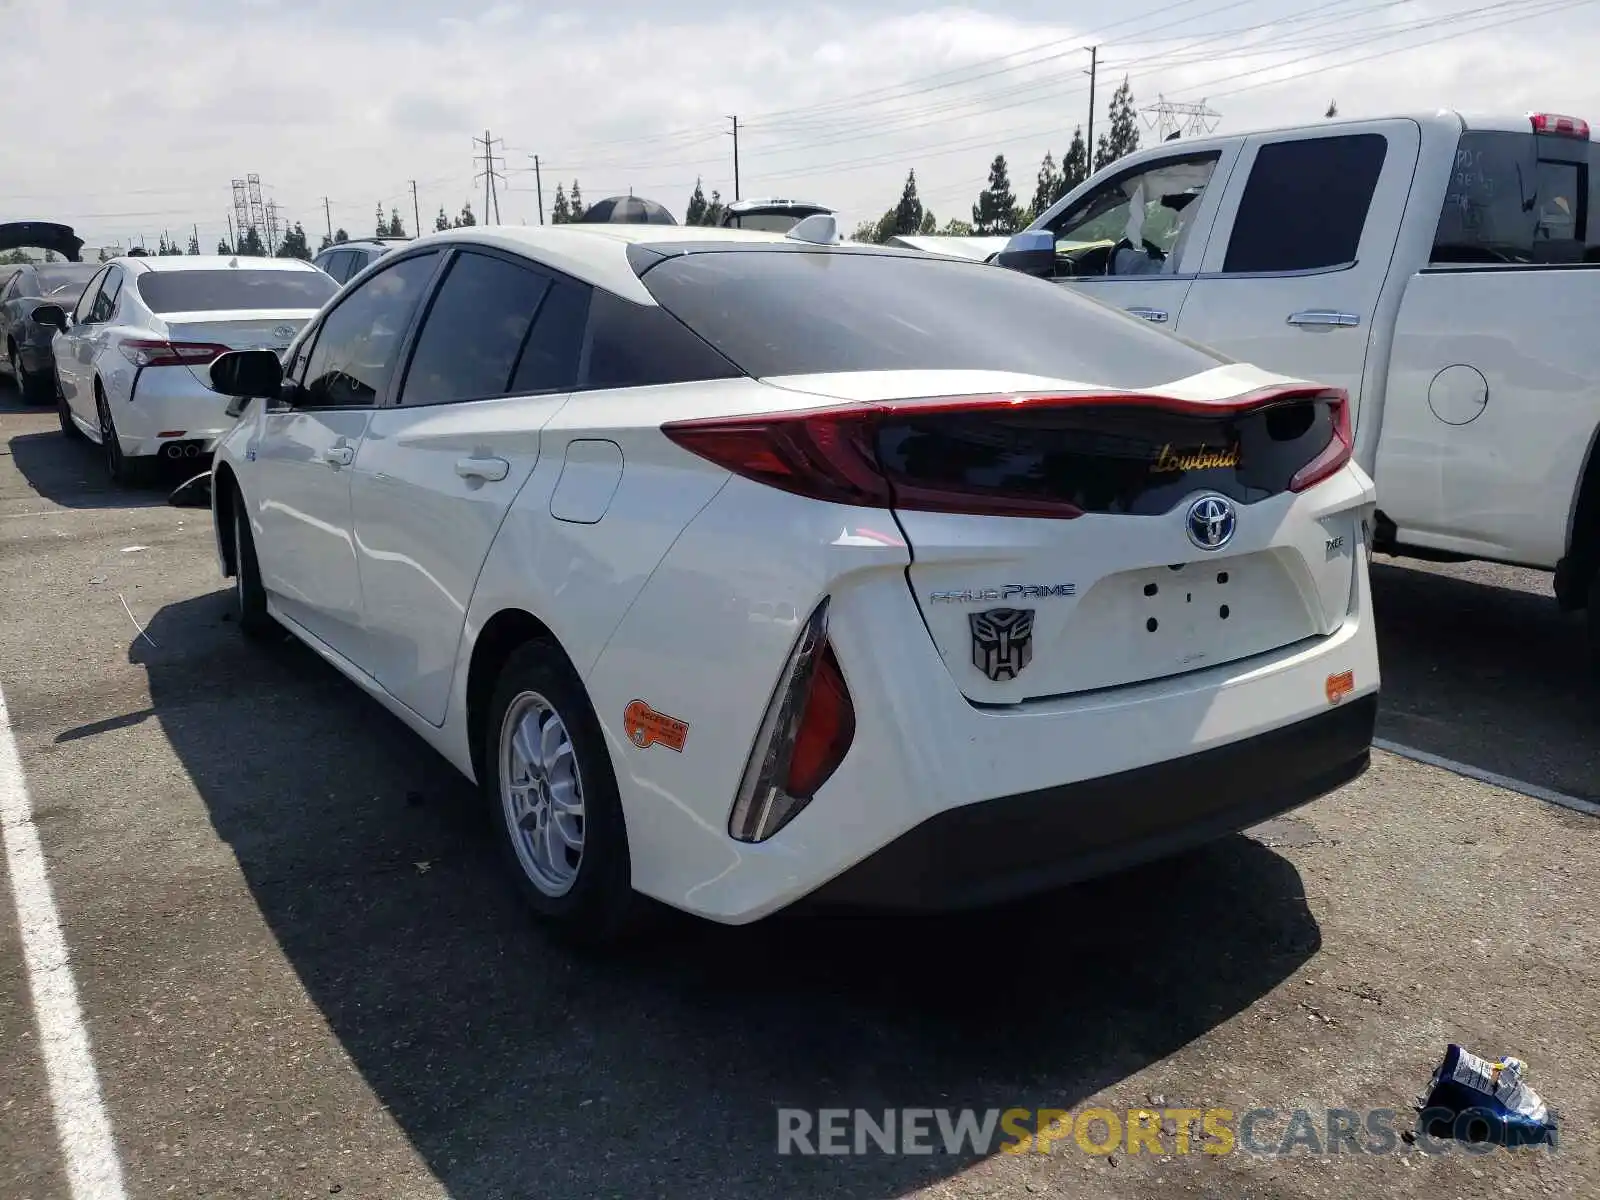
<point>740,569</point>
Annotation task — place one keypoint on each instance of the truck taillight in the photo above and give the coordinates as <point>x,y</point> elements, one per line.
<point>1554,123</point>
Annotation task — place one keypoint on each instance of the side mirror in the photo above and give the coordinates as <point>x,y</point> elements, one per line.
<point>51,315</point>
<point>1033,252</point>
<point>254,374</point>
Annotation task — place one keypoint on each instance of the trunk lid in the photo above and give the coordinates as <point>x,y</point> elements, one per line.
<point>238,329</point>
<point>1026,601</point>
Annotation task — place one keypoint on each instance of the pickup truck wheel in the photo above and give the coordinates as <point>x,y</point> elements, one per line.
<point>1592,619</point>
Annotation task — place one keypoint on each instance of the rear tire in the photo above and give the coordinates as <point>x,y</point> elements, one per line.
<point>34,389</point>
<point>122,469</point>
<point>564,790</point>
<point>249,597</point>
<point>69,427</point>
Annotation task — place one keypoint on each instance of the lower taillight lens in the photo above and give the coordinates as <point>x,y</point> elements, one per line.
<point>148,352</point>
<point>808,728</point>
<point>1336,454</point>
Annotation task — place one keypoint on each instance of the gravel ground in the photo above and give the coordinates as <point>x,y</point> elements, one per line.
<point>302,975</point>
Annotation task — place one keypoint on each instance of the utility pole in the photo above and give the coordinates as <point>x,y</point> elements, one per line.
<point>416,213</point>
<point>538,188</point>
<point>491,195</point>
<point>1094,62</point>
<point>735,121</point>
<point>327,214</point>
<point>233,246</point>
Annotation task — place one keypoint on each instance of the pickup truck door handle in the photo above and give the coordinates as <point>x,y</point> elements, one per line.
<point>1156,316</point>
<point>492,469</point>
<point>339,456</point>
<point>1324,317</point>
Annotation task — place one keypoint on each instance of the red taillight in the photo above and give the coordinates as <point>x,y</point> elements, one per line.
<point>804,735</point>
<point>830,453</point>
<point>1336,454</point>
<point>827,727</point>
<point>1555,123</point>
<point>149,352</point>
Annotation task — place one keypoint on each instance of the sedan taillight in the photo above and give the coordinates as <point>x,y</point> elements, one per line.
<point>149,352</point>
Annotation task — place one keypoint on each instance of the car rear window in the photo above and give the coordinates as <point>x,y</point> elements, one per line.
<point>781,312</point>
<point>65,283</point>
<point>1520,198</point>
<point>211,291</point>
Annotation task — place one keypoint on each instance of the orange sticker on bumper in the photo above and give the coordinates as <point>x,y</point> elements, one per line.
<point>1341,685</point>
<point>646,727</point>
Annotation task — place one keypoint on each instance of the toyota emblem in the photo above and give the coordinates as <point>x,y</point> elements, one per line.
<point>1211,521</point>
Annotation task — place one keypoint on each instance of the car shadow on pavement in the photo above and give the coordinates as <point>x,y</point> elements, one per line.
<point>1492,676</point>
<point>517,1067</point>
<point>72,473</point>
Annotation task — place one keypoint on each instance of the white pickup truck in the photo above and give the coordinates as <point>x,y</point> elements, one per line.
<point>1444,270</point>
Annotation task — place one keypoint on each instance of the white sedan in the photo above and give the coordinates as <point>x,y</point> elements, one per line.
<point>740,570</point>
<point>131,357</point>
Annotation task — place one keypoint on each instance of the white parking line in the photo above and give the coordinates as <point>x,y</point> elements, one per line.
<point>87,1147</point>
<point>1577,804</point>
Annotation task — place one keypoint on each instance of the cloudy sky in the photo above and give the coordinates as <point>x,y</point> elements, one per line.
<point>128,119</point>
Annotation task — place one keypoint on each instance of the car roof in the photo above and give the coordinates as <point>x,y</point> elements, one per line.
<point>596,254</point>
<point>214,262</point>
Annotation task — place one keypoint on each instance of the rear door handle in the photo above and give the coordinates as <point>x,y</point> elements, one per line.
<point>492,469</point>
<point>1156,316</point>
<point>339,456</point>
<point>1324,317</point>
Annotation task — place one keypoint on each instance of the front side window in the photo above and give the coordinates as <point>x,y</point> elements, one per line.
<point>80,314</point>
<point>358,346</point>
<point>1306,204</point>
<point>473,332</point>
<point>14,289</point>
<point>105,303</point>
<point>1520,199</point>
<point>1135,225</point>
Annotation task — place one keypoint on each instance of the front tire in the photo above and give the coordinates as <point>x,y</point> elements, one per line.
<point>558,817</point>
<point>69,427</point>
<point>250,598</point>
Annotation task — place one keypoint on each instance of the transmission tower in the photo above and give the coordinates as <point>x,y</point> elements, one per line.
<point>1172,118</point>
<point>258,211</point>
<point>274,230</point>
<point>490,176</point>
<point>241,211</point>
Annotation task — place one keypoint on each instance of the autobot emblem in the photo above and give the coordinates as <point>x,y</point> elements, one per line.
<point>1210,522</point>
<point>1002,641</point>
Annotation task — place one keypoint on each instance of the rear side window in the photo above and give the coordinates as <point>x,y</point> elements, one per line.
<point>1520,198</point>
<point>1305,204</point>
<point>800,312</point>
<point>636,345</point>
<point>214,291</point>
<point>473,332</point>
<point>549,361</point>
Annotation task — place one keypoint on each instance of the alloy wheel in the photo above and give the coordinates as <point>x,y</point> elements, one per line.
<point>541,793</point>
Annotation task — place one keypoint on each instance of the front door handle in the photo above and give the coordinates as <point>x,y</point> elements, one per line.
<point>339,456</point>
<point>1155,316</point>
<point>492,469</point>
<point>1324,317</point>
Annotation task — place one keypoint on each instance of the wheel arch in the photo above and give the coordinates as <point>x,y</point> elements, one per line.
<point>224,492</point>
<point>496,641</point>
<point>1577,567</point>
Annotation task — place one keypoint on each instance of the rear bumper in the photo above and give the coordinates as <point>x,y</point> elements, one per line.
<point>1018,845</point>
<point>171,400</point>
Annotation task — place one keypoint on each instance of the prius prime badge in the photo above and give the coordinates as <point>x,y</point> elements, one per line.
<point>1211,522</point>
<point>1002,641</point>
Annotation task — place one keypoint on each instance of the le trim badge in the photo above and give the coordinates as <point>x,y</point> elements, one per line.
<point>646,727</point>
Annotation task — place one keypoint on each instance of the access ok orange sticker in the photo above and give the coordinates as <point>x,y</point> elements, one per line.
<point>646,727</point>
<point>1341,685</point>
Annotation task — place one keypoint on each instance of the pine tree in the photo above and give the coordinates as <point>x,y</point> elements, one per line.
<point>251,244</point>
<point>908,213</point>
<point>714,209</point>
<point>576,201</point>
<point>560,211</point>
<point>1048,185</point>
<point>1123,136</point>
<point>695,214</point>
<point>295,244</point>
<point>956,229</point>
<point>194,242</point>
<point>466,218</point>
<point>1074,164</point>
<point>327,240</point>
<point>929,224</point>
<point>383,223</point>
<point>223,247</point>
<point>340,235</point>
<point>1333,110</point>
<point>441,222</point>
<point>397,227</point>
<point>996,209</point>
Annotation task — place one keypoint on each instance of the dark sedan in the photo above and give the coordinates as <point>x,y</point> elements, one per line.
<point>25,342</point>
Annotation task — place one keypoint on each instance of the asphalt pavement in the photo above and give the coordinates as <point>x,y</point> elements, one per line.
<point>302,974</point>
